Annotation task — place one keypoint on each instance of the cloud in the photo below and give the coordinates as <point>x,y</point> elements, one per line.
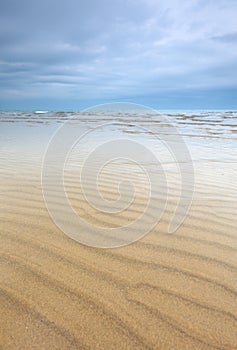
<point>117,49</point>
<point>227,38</point>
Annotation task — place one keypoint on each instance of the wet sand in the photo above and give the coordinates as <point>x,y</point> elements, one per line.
<point>163,292</point>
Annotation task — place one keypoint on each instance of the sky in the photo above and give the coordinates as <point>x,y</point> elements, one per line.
<point>69,55</point>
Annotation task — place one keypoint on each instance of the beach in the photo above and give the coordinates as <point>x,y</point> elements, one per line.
<point>164,291</point>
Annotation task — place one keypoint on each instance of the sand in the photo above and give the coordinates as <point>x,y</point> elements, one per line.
<point>163,292</point>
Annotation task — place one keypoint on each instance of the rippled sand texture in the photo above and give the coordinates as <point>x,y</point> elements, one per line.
<point>163,292</point>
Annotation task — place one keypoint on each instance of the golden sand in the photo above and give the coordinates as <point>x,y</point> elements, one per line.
<point>163,292</point>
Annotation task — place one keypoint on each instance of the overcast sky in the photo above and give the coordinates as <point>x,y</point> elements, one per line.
<point>58,54</point>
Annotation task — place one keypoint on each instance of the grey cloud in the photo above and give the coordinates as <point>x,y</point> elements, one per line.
<point>115,47</point>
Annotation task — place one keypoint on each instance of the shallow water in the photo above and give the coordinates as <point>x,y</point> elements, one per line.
<point>211,138</point>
